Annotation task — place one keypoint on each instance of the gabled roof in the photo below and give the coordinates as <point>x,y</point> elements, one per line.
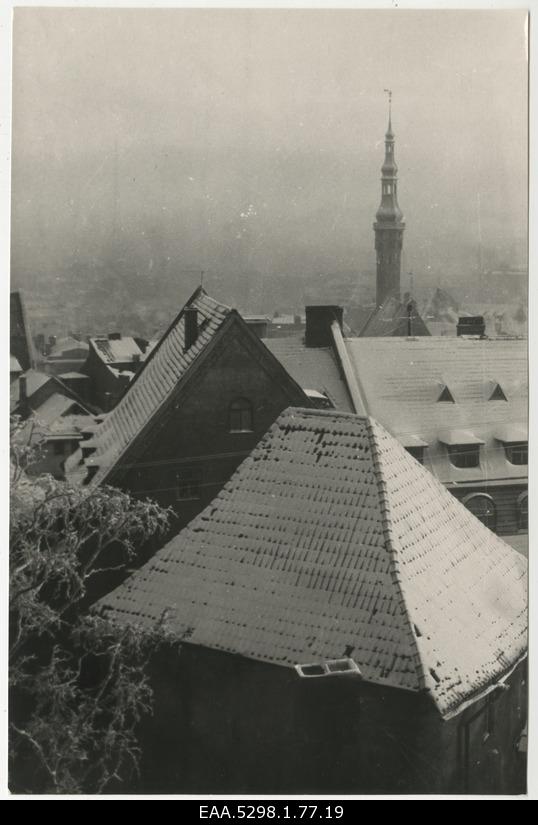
<point>314,368</point>
<point>331,541</point>
<point>401,380</point>
<point>156,382</point>
<point>20,338</point>
<point>34,381</point>
<point>391,318</point>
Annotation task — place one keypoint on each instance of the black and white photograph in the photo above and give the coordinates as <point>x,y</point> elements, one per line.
<point>268,275</point>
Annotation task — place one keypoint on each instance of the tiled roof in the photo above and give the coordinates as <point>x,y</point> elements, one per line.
<point>391,319</point>
<point>116,350</point>
<point>312,368</point>
<point>34,381</point>
<point>401,380</point>
<point>331,541</point>
<point>156,381</point>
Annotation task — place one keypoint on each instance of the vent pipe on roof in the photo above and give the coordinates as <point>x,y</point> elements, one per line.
<point>191,327</point>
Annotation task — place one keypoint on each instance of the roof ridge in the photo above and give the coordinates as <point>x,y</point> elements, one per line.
<point>317,413</point>
<point>386,519</point>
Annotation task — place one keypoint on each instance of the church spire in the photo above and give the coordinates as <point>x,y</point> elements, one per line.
<point>389,225</point>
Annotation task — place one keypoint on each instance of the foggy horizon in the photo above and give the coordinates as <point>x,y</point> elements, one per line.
<point>158,142</point>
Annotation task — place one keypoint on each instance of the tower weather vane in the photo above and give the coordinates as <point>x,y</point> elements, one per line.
<point>389,92</point>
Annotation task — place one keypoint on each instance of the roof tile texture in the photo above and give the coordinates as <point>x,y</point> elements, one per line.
<point>328,538</point>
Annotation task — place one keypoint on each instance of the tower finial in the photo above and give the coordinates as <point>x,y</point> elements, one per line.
<point>389,92</point>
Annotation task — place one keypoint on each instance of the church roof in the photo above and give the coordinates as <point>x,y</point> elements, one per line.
<point>391,319</point>
<point>331,541</point>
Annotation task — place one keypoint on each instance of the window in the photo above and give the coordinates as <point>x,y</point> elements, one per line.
<point>240,416</point>
<point>188,484</point>
<point>517,453</point>
<point>58,447</point>
<point>446,395</point>
<point>498,394</point>
<point>483,507</point>
<point>464,455</point>
<point>417,453</point>
<point>523,512</point>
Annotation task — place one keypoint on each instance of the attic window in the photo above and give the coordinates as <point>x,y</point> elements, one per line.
<point>331,667</point>
<point>517,453</point>
<point>498,394</point>
<point>417,453</point>
<point>483,508</point>
<point>241,416</point>
<point>446,395</point>
<point>464,455</point>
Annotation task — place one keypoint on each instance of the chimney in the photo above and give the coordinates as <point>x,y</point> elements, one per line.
<point>258,326</point>
<point>471,325</point>
<point>137,357</point>
<point>114,336</point>
<point>191,327</point>
<point>318,324</point>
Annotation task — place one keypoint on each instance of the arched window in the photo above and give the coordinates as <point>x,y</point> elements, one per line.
<point>241,416</point>
<point>483,507</point>
<point>523,512</point>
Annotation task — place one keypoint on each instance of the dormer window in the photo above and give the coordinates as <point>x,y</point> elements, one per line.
<point>417,453</point>
<point>463,448</point>
<point>517,453</point>
<point>464,455</point>
<point>446,395</point>
<point>497,394</point>
<point>415,446</point>
<point>241,416</point>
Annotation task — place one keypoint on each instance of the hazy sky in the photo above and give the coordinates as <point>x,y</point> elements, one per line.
<point>255,138</point>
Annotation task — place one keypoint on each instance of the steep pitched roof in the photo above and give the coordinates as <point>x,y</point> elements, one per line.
<point>402,379</point>
<point>331,541</point>
<point>20,340</point>
<point>312,368</point>
<point>154,384</point>
<point>391,319</point>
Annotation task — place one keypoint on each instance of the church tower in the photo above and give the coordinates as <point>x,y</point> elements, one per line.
<point>389,225</point>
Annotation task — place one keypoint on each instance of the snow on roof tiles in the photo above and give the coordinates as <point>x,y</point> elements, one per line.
<point>401,379</point>
<point>155,382</point>
<point>315,368</point>
<point>331,538</point>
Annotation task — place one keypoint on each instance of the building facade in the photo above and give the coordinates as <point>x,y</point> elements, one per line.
<point>344,625</point>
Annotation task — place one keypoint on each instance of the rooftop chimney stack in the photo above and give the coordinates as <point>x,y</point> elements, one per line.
<point>318,324</point>
<point>471,325</point>
<point>191,327</point>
